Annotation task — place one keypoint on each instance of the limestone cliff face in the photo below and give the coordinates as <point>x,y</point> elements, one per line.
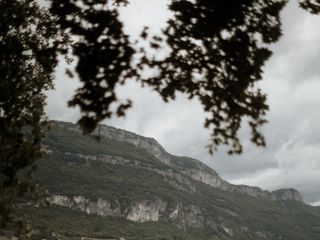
<point>147,211</point>
<point>142,211</point>
<point>288,194</point>
<point>100,207</point>
<point>148,144</point>
<point>181,215</point>
<point>199,171</point>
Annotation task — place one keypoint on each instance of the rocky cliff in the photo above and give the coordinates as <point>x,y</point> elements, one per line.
<point>198,171</point>
<point>143,211</point>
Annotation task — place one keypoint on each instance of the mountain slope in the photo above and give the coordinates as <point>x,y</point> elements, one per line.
<point>128,186</point>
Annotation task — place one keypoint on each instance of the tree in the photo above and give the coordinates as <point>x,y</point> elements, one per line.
<point>29,40</point>
<point>218,49</point>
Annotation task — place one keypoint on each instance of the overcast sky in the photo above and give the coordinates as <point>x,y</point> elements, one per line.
<point>291,80</point>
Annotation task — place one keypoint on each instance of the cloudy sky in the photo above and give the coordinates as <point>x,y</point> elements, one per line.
<point>291,80</point>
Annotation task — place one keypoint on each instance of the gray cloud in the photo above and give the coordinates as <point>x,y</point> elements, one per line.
<point>291,80</point>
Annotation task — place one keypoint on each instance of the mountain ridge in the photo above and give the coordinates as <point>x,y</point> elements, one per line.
<point>202,173</point>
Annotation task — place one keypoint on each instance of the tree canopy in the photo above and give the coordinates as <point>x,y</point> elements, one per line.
<point>217,53</point>
<point>29,40</point>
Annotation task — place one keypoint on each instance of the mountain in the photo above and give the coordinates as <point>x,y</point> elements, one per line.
<point>127,186</point>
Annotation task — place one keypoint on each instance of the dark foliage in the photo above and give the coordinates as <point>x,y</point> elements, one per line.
<point>218,49</point>
<point>313,6</point>
<point>29,40</point>
<point>217,53</point>
<point>104,57</point>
